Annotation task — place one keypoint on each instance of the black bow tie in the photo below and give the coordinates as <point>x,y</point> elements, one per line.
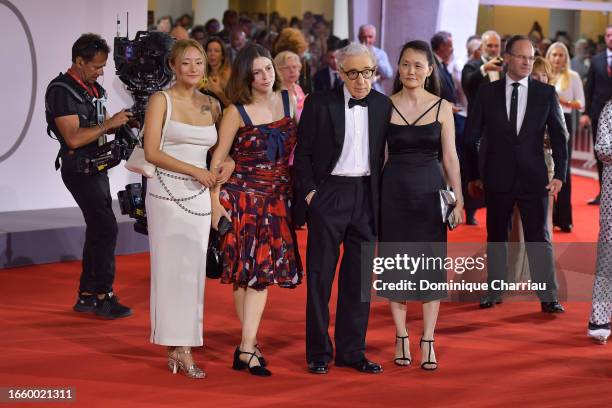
<point>361,102</point>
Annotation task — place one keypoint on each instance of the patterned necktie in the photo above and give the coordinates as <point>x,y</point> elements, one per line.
<point>514,108</point>
<point>609,66</point>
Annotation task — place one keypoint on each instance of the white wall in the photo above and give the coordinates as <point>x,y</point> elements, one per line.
<point>458,18</point>
<point>28,179</point>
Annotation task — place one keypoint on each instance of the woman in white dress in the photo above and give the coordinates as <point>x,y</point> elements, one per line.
<point>178,205</point>
<point>571,96</point>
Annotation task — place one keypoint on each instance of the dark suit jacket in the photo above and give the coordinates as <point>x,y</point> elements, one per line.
<point>322,81</point>
<point>471,79</point>
<point>447,84</point>
<point>320,140</point>
<point>504,157</point>
<point>598,86</point>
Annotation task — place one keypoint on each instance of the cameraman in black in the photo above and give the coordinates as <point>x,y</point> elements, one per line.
<point>76,116</point>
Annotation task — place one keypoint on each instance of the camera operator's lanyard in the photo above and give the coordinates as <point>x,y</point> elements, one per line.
<point>93,91</point>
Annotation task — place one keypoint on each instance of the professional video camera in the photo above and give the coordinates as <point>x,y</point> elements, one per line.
<point>132,203</point>
<point>142,65</point>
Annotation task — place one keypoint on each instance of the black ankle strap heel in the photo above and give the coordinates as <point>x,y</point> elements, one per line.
<point>428,365</point>
<point>402,361</point>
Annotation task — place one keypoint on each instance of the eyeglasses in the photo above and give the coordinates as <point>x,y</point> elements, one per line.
<point>528,58</point>
<point>365,73</point>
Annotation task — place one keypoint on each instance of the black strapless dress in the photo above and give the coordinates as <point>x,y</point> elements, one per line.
<point>410,206</point>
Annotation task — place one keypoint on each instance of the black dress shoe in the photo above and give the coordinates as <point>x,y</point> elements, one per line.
<point>565,228</point>
<point>594,201</point>
<point>552,307</point>
<point>318,367</point>
<point>365,366</point>
<point>489,302</point>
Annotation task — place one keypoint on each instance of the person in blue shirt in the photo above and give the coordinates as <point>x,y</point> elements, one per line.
<point>367,36</point>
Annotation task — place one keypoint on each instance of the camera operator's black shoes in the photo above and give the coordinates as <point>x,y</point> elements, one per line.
<point>109,307</point>
<point>85,303</point>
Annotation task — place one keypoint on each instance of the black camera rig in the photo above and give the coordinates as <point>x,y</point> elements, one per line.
<point>142,65</point>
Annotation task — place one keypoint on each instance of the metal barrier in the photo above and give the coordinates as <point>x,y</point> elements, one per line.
<point>583,162</point>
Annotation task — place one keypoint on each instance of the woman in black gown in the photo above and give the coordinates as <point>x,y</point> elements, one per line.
<point>421,142</point>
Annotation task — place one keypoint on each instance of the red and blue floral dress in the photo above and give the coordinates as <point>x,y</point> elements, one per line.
<point>261,249</point>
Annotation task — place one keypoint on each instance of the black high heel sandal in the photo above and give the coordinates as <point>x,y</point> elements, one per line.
<point>261,358</point>
<point>238,364</point>
<point>398,360</point>
<point>433,364</point>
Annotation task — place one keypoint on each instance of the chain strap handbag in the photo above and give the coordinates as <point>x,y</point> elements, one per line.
<point>137,162</point>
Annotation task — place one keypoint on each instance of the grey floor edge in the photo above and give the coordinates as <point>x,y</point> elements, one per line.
<point>56,235</point>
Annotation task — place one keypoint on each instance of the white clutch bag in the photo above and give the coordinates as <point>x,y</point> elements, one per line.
<point>137,162</point>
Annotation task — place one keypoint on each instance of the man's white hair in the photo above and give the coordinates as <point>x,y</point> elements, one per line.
<point>473,45</point>
<point>354,49</point>
<point>366,26</point>
<point>489,33</point>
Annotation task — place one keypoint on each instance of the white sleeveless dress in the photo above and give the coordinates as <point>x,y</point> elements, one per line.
<point>178,214</point>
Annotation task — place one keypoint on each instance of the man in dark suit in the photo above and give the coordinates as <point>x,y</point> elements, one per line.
<point>597,92</point>
<point>507,122</point>
<point>442,47</point>
<point>485,69</point>
<point>328,77</point>
<point>337,169</point>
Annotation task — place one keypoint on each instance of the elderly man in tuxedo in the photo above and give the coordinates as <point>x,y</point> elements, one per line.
<point>506,127</point>
<point>337,168</point>
<point>597,92</point>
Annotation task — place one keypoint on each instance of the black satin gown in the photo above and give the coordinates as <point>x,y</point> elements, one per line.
<point>410,206</point>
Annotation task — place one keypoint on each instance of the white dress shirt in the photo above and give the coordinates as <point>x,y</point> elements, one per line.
<point>522,99</point>
<point>355,157</point>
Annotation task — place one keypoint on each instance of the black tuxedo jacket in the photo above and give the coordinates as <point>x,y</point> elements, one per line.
<point>598,86</point>
<point>505,157</point>
<point>322,80</point>
<point>320,141</point>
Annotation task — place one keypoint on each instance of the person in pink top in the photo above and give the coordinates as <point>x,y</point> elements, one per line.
<point>289,66</point>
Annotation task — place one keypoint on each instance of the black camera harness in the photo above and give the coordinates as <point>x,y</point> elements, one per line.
<point>108,154</point>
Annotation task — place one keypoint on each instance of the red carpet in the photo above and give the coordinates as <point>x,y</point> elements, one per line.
<point>508,356</point>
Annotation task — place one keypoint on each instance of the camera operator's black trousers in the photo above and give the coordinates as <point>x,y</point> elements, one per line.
<point>92,194</point>
<point>340,213</point>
